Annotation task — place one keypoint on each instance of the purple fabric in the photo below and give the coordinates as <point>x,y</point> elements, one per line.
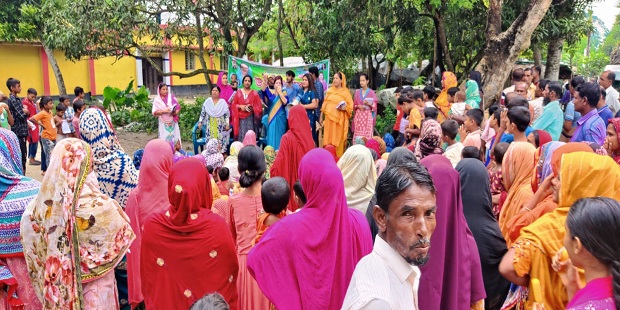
<point>452,278</point>
<point>590,127</point>
<point>306,260</point>
<point>597,294</point>
<point>225,90</point>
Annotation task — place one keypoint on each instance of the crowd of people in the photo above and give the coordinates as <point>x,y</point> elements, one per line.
<point>458,207</point>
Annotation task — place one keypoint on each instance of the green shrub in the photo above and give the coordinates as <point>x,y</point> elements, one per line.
<point>386,121</point>
<point>188,117</point>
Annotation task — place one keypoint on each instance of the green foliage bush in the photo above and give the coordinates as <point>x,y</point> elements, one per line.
<point>386,120</point>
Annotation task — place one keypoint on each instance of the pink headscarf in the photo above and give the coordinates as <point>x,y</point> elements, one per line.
<point>452,278</point>
<point>306,260</point>
<point>226,91</point>
<point>148,198</point>
<point>249,138</point>
<point>374,145</point>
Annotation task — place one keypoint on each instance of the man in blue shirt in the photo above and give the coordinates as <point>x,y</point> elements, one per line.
<point>291,88</point>
<point>320,92</point>
<point>603,109</point>
<point>570,115</point>
<point>590,127</point>
<point>552,118</point>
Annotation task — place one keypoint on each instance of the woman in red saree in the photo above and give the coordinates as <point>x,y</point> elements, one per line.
<point>175,274</point>
<point>146,199</point>
<point>295,143</point>
<point>246,110</point>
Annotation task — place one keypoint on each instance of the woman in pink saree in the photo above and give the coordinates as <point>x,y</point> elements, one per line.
<point>306,260</point>
<point>166,109</point>
<point>148,198</point>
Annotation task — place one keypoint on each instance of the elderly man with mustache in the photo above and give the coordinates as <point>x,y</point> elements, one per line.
<point>388,278</point>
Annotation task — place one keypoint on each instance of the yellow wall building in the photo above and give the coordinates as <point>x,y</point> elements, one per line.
<point>29,63</point>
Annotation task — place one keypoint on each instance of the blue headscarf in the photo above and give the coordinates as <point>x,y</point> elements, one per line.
<point>389,142</point>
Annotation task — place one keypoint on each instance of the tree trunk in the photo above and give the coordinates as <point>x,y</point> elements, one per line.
<point>389,74</point>
<point>503,49</point>
<point>201,49</point>
<point>279,32</point>
<point>554,55</point>
<point>62,90</point>
<point>537,54</point>
<point>440,29</point>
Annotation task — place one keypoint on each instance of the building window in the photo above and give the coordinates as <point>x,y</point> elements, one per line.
<point>190,61</point>
<point>223,62</point>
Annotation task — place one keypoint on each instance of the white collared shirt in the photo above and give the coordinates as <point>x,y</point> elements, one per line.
<point>383,280</point>
<point>453,153</point>
<point>611,98</point>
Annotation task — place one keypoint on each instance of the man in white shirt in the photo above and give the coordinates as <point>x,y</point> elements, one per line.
<point>606,80</point>
<point>388,278</point>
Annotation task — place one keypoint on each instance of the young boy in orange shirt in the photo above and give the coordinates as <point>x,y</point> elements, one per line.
<point>45,119</point>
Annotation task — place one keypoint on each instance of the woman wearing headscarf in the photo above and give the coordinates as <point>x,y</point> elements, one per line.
<point>250,138</point>
<point>232,161</point>
<point>166,109</point>
<point>373,145</point>
<point>17,191</point>
<point>270,157</point>
<point>113,167</point>
<point>216,115</point>
<point>429,141</point>
<point>212,154</point>
<point>137,158</point>
<point>246,110</point>
<point>73,234</point>
<point>612,142</point>
<point>146,199</point>
<point>448,80</point>
<point>337,109</point>
<point>576,175</point>
<point>473,89</point>
<point>225,90</point>
<point>325,234</point>
<point>452,279</point>
<point>517,169</point>
<point>295,143</point>
<point>332,150</point>
<point>542,201</point>
<point>382,145</point>
<point>114,170</point>
<point>478,211</point>
<point>539,138</point>
<point>360,176</point>
<point>176,274</point>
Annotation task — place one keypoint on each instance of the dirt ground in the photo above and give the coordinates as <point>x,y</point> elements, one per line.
<point>131,142</point>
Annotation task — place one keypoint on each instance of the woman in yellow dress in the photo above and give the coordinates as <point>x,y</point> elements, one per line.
<point>337,109</point>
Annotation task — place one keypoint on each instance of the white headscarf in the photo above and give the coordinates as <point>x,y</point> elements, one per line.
<point>360,176</point>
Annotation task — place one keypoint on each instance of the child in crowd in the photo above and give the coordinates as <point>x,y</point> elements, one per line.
<point>79,107</point>
<point>494,124</point>
<point>495,176</point>
<point>429,96</point>
<point>459,106</point>
<point>274,195</point>
<point>223,184</point>
<point>6,119</point>
<point>60,122</point>
<point>405,104</point>
<point>415,115</point>
<point>79,94</point>
<point>46,119</point>
<point>470,130</point>
<point>471,152</point>
<point>300,196</point>
<point>33,130</point>
<point>430,113</point>
<point>518,118</point>
<point>67,126</point>
<point>449,129</point>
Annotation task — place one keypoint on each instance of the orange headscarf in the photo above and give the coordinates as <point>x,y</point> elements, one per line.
<point>556,158</point>
<point>580,176</point>
<point>449,81</point>
<point>336,125</point>
<point>517,170</point>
